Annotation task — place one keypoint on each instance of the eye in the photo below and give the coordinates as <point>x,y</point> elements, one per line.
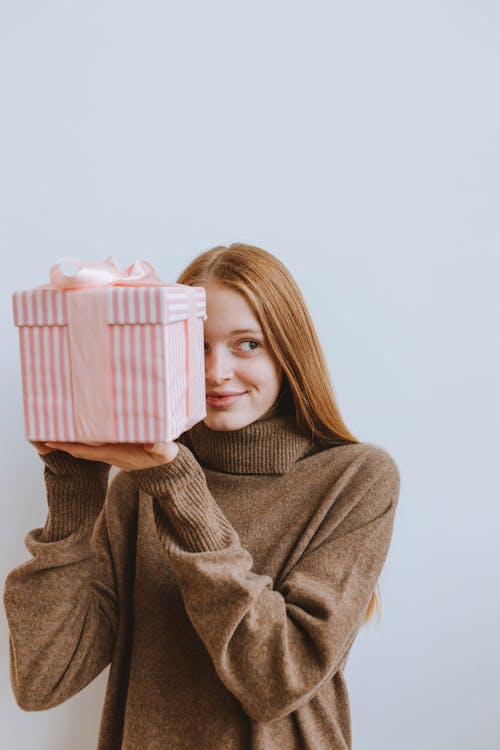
<point>250,341</point>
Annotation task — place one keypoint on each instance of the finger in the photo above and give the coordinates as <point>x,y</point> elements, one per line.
<point>82,450</point>
<point>61,446</point>
<point>41,447</point>
<point>150,447</point>
<point>161,449</point>
<point>160,452</point>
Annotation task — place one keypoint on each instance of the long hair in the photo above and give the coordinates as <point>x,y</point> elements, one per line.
<point>278,304</point>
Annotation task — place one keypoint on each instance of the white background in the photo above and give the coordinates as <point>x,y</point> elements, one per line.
<point>358,142</point>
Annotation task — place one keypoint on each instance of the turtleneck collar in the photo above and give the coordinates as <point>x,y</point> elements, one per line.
<point>270,445</point>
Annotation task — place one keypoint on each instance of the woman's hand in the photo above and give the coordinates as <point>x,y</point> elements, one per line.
<point>42,448</point>
<point>126,456</point>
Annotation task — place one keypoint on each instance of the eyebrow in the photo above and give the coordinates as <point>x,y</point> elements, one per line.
<point>245,330</point>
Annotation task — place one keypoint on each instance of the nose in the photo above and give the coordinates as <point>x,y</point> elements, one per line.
<point>218,365</point>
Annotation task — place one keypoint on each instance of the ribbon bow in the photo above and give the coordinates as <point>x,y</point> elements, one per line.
<point>106,273</point>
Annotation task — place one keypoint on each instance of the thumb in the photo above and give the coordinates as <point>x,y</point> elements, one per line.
<point>162,452</point>
<point>153,447</point>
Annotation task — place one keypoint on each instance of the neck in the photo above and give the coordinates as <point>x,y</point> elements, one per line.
<point>269,445</point>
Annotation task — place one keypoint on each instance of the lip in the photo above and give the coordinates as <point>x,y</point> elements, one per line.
<point>223,401</point>
<point>225,393</point>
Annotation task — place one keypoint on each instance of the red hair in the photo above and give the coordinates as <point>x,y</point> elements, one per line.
<point>279,306</point>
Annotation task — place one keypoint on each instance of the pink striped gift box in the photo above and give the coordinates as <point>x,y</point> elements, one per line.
<point>121,364</point>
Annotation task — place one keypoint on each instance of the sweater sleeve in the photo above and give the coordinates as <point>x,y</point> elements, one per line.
<point>61,604</point>
<point>274,647</point>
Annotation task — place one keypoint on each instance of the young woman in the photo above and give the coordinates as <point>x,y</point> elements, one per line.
<point>223,576</point>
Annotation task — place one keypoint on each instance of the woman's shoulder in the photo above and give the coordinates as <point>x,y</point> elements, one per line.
<point>363,457</point>
<point>359,480</point>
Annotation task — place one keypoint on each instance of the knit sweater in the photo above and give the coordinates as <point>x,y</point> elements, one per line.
<point>225,588</point>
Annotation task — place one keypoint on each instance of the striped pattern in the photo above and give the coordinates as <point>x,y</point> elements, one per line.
<point>149,377</point>
<point>160,304</point>
<point>175,339</point>
<point>40,307</point>
<point>148,355</point>
<point>47,388</point>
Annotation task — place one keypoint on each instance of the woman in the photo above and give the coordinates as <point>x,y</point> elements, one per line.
<point>224,576</point>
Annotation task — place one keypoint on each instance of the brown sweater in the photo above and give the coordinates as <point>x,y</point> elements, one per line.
<point>225,588</point>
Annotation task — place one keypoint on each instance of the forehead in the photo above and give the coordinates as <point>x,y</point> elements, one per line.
<point>228,311</point>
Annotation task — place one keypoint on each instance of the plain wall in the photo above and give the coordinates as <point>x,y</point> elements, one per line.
<point>359,143</point>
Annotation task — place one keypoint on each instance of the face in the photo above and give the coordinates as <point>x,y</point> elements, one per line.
<point>237,361</point>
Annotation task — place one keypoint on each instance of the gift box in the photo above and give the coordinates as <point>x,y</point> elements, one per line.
<point>111,356</point>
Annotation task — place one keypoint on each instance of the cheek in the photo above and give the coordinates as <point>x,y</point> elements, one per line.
<point>262,372</point>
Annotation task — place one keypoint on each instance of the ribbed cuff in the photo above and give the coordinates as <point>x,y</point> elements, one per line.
<point>76,490</point>
<point>64,464</point>
<point>183,502</point>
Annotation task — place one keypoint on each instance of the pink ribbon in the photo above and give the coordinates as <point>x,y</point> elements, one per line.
<point>90,355</point>
<point>107,273</point>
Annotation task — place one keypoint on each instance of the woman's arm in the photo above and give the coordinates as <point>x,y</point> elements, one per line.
<point>61,605</point>
<point>274,648</point>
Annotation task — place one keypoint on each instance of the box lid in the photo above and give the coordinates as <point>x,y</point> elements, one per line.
<point>167,303</point>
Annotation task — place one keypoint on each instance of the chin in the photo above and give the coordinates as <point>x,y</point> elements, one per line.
<point>229,419</point>
<point>225,422</point>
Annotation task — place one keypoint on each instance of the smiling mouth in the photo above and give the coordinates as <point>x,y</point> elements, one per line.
<point>220,401</point>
